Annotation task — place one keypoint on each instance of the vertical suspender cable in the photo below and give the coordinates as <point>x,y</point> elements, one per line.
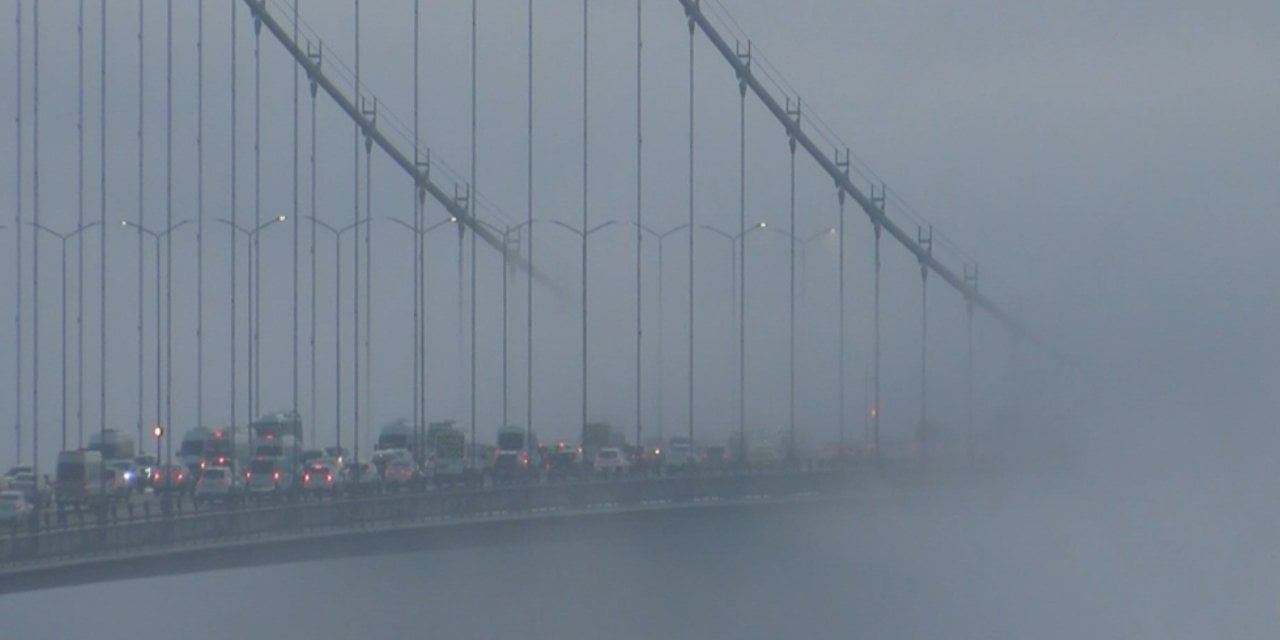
<point>471,202</point>
<point>234,216</point>
<point>312,396</point>
<point>355,173</point>
<point>17,230</point>
<point>79,225</point>
<point>529,223</point>
<point>168,205</point>
<point>255,359</point>
<point>417,249</point>
<point>791,302</point>
<point>35,240</point>
<point>296,222</point>
<point>875,396</point>
<point>639,208</point>
<point>742,239</point>
<point>691,229</point>
<point>102,237</point>
<point>142,221</point>
<point>368,289</point>
<point>199,216</point>
<point>585,228</point>
<point>842,409</point>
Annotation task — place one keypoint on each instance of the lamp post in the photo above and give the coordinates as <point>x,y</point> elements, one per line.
<point>803,242</point>
<point>661,236</point>
<point>584,234</point>
<point>337,319</point>
<point>507,234</point>
<point>63,237</point>
<point>739,240</point>
<point>420,357</point>
<point>252,235</point>
<point>156,236</point>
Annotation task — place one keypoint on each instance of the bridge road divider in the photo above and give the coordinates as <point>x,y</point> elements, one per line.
<point>24,549</point>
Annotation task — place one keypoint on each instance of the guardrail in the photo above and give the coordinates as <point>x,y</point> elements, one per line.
<point>68,543</point>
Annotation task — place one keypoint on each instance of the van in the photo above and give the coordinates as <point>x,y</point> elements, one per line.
<point>79,477</point>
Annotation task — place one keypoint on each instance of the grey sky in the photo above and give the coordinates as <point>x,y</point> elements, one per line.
<point>1112,166</point>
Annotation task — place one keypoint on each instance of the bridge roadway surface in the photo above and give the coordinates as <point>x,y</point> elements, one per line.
<point>308,530</point>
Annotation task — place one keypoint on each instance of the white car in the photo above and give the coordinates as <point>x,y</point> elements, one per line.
<point>216,484</point>
<point>14,508</point>
<point>610,460</point>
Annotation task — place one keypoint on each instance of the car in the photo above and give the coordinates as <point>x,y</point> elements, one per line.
<point>129,472</point>
<point>113,480</point>
<point>267,476</point>
<point>320,477</point>
<point>361,477</point>
<point>399,473</point>
<point>36,493</point>
<point>715,456</point>
<point>309,455</point>
<point>14,507</point>
<point>562,462</point>
<point>609,460</point>
<point>146,465</point>
<point>171,477</point>
<point>217,484</point>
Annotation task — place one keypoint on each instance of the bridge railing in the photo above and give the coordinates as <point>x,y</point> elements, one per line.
<point>210,528</point>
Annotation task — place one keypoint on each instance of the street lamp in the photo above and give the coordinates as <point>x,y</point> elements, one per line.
<point>252,235</point>
<point>157,236</point>
<point>63,237</point>
<point>337,319</point>
<point>739,240</point>
<point>584,234</point>
<point>803,242</point>
<point>420,316</point>
<point>661,236</point>
<point>507,240</point>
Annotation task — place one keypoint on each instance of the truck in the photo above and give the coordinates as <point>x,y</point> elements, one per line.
<point>113,444</point>
<point>78,479</point>
<point>227,448</point>
<point>448,457</point>
<point>681,455</point>
<point>191,451</point>
<point>516,459</point>
<point>398,434</point>
<point>277,447</point>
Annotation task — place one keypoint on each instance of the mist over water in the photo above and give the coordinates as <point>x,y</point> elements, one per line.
<point>1086,550</point>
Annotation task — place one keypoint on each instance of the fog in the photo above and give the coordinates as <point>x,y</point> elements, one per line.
<point>1112,169</point>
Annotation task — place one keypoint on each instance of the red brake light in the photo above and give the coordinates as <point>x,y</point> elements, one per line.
<point>276,475</point>
<point>328,477</point>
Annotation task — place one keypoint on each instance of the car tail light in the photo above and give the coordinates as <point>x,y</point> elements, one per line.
<point>306,478</point>
<point>276,475</point>
<point>221,460</point>
<point>248,474</point>
<point>328,478</point>
<point>155,477</point>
